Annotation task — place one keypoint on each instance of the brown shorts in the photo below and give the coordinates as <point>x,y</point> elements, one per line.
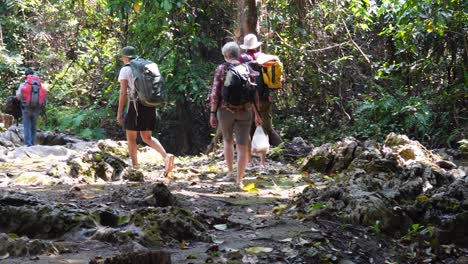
<point>237,122</point>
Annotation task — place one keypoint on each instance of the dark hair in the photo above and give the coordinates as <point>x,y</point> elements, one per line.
<point>28,71</point>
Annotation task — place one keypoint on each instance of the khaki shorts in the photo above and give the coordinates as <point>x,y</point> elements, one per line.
<point>235,123</point>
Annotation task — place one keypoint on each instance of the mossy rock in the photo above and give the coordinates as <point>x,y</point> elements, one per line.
<point>118,148</point>
<point>169,224</point>
<point>394,140</point>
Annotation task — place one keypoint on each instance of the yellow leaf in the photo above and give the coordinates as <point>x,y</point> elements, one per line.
<point>249,186</point>
<point>137,6</point>
<point>256,250</point>
<point>300,216</point>
<point>278,210</point>
<point>422,198</point>
<point>183,245</point>
<point>253,190</point>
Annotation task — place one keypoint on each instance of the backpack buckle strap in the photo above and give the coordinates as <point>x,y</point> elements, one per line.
<point>236,108</point>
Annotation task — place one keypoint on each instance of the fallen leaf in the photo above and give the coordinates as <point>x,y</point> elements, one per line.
<point>278,210</point>
<point>217,241</point>
<point>221,227</point>
<point>253,190</point>
<point>183,245</point>
<point>249,186</point>
<point>256,250</point>
<point>422,198</point>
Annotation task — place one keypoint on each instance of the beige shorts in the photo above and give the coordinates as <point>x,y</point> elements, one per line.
<point>235,123</point>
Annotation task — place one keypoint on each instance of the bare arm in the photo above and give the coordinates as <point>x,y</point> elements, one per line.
<point>122,100</point>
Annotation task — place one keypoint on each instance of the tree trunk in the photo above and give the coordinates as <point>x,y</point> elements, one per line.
<point>183,136</point>
<point>247,18</point>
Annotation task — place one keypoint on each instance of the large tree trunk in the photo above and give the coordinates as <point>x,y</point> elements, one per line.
<point>247,18</point>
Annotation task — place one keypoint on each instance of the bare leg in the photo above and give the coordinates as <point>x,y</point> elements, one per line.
<point>132,146</point>
<point>241,162</point>
<point>229,155</point>
<point>262,160</point>
<point>153,142</point>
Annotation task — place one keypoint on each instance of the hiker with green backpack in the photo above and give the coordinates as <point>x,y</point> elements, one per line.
<point>232,105</point>
<point>142,89</point>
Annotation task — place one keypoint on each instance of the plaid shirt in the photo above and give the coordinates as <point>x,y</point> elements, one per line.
<point>218,81</point>
<point>215,94</point>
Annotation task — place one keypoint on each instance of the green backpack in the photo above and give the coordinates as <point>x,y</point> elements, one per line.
<point>149,84</point>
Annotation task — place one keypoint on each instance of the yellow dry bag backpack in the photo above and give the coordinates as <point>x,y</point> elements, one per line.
<point>272,71</point>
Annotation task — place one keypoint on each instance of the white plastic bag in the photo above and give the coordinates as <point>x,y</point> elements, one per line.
<point>260,142</point>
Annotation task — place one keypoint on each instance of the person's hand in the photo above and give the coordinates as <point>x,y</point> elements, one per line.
<point>213,121</point>
<point>258,120</point>
<point>120,119</point>
<point>44,119</point>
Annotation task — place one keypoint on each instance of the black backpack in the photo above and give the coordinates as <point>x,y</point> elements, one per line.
<point>149,84</point>
<point>13,107</point>
<point>237,89</point>
<point>256,69</point>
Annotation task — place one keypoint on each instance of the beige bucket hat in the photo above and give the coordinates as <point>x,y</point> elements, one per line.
<point>250,42</point>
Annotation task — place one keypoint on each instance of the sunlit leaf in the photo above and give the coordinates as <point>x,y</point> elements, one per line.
<point>221,227</point>
<point>257,250</point>
<point>249,186</point>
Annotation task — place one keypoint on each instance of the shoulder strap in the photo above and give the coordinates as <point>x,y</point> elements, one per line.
<point>245,58</point>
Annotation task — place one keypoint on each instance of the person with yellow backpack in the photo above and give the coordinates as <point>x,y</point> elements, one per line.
<point>269,77</point>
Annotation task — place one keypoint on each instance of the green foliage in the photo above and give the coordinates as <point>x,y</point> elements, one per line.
<point>463,146</point>
<point>352,67</point>
<point>87,123</point>
<point>377,118</point>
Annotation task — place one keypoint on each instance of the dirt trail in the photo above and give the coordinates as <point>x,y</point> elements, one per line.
<point>258,225</point>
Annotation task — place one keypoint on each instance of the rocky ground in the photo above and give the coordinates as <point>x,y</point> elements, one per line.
<point>74,201</point>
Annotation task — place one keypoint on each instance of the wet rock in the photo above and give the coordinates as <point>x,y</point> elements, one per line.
<point>23,246</point>
<point>23,214</point>
<point>151,257</point>
<point>163,196</point>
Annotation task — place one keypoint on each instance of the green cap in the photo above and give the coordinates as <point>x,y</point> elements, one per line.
<point>129,52</point>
